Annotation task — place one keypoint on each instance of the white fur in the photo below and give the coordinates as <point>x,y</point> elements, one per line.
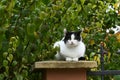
<point>71,51</point>
<point>72,42</point>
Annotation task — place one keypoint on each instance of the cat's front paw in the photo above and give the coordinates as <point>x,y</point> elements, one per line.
<point>71,59</point>
<point>68,59</point>
<point>75,59</point>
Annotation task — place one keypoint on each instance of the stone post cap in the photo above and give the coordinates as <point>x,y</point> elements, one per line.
<point>64,64</point>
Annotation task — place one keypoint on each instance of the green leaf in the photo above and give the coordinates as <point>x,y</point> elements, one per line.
<point>30,29</point>
<point>24,60</point>
<point>5,54</point>
<point>0,45</point>
<point>10,50</point>
<point>11,5</point>
<point>1,37</point>
<point>82,1</point>
<point>117,77</point>
<point>46,1</point>
<point>25,73</point>
<point>92,54</point>
<point>5,63</point>
<point>79,7</point>
<point>2,76</point>
<point>10,57</point>
<point>94,6</point>
<point>19,77</point>
<point>2,8</point>
<point>43,15</point>
<point>14,63</point>
<point>98,24</point>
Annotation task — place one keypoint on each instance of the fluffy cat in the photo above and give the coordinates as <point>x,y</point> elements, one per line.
<point>71,47</point>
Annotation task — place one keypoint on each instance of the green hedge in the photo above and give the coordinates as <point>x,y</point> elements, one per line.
<point>29,28</point>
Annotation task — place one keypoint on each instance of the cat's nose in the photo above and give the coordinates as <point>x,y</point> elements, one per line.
<point>72,43</point>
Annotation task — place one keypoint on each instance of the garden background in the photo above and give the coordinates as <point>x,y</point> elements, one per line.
<point>29,28</point>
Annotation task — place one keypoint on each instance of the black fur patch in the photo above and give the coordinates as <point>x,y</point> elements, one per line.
<point>68,36</point>
<point>82,58</point>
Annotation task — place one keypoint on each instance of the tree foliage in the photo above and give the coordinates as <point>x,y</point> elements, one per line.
<point>28,29</point>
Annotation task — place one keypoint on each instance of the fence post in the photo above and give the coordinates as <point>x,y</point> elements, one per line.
<point>64,70</point>
<point>102,52</point>
<point>102,60</point>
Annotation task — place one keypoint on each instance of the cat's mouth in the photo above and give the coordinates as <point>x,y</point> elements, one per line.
<point>72,45</point>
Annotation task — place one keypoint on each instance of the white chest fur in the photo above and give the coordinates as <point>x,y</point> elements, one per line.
<point>73,52</point>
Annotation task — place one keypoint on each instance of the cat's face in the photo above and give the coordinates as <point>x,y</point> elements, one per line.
<point>72,39</point>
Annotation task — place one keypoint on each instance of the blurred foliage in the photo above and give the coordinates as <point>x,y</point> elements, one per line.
<point>29,28</point>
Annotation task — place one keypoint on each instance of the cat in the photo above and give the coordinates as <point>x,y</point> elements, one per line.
<point>71,47</point>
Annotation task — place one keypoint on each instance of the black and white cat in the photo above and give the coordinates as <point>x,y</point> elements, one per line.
<point>71,47</point>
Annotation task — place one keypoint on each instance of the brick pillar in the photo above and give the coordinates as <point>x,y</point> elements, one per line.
<point>65,74</point>
<point>64,70</point>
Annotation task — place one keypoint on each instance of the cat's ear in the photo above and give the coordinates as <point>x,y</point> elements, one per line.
<point>65,31</point>
<point>79,32</point>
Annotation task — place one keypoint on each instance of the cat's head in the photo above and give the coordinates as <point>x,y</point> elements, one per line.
<point>72,39</point>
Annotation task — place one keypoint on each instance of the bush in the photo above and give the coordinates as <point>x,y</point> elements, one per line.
<point>29,29</point>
